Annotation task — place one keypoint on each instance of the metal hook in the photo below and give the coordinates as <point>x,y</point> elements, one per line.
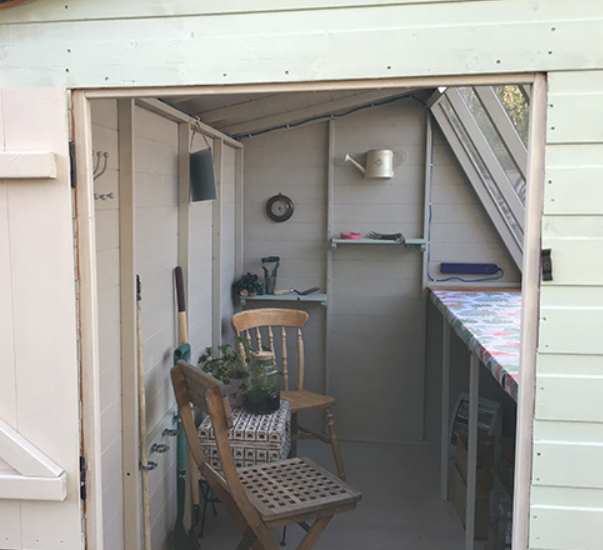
<point>98,172</point>
<point>149,467</point>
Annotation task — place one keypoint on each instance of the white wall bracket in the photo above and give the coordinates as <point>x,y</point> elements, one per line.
<point>37,477</point>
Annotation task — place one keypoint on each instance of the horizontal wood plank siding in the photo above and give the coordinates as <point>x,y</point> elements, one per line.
<point>227,240</point>
<point>566,510</point>
<point>156,235</point>
<point>55,10</point>
<point>332,44</point>
<point>105,140</point>
<point>294,163</point>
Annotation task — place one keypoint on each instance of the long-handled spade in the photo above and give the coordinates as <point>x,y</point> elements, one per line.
<point>183,351</point>
<point>145,466</point>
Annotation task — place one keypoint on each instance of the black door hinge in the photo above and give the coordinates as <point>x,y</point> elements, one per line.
<point>546,263</point>
<point>72,171</point>
<point>82,478</point>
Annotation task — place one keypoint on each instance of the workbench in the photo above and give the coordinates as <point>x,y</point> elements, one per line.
<point>489,323</point>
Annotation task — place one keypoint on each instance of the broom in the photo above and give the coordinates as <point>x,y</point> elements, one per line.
<point>142,424</point>
<point>183,351</point>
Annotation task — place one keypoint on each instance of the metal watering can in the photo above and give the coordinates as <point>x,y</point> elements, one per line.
<point>379,164</point>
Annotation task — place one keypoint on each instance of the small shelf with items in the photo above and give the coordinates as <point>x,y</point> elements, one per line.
<point>408,243</point>
<point>317,298</point>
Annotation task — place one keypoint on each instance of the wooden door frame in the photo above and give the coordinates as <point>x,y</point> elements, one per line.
<point>531,262</point>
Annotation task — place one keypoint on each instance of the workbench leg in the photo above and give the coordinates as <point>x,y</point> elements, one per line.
<point>445,433</point>
<point>472,452</point>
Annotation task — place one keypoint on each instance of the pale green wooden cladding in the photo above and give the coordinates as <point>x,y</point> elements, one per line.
<point>87,44</point>
<point>127,44</point>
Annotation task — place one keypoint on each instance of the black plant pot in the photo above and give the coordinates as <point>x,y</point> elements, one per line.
<point>259,401</point>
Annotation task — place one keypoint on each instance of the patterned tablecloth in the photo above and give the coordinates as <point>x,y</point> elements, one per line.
<point>489,322</point>
<point>254,438</point>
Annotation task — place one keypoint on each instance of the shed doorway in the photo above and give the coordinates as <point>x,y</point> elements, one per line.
<point>370,335</point>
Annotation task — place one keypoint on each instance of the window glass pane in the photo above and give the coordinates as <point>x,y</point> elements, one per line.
<point>495,142</point>
<point>517,106</point>
<point>483,172</point>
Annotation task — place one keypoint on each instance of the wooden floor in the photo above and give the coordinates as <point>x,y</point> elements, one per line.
<point>400,508</point>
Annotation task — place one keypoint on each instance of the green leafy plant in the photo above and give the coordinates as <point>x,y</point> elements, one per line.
<point>249,285</point>
<point>223,363</point>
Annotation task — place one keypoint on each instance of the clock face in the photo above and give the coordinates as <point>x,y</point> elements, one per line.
<point>279,208</point>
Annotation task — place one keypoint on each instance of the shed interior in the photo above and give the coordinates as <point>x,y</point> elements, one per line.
<point>373,341</point>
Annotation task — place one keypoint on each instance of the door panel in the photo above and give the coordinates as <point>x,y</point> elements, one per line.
<point>38,323</point>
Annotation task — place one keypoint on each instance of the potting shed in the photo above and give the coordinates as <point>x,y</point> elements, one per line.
<point>485,117</point>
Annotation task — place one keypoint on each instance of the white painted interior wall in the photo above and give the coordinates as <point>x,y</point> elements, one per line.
<point>156,255</point>
<point>294,163</point>
<point>226,201</point>
<point>461,230</point>
<point>199,300</point>
<point>375,307</point>
<point>104,137</point>
<point>156,229</point>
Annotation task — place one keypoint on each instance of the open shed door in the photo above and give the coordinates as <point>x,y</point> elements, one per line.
<point>40,504</point>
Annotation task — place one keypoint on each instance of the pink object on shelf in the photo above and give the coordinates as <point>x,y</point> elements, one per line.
<point>350,236</point>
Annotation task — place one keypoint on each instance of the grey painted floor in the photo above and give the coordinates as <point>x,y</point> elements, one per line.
<point>400,508</point>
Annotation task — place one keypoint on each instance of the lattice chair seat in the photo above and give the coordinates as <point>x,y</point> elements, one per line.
<point>283,489</point>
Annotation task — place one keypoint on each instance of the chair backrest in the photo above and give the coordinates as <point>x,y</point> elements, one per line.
<point>193,386</point>
<point>249,325</point>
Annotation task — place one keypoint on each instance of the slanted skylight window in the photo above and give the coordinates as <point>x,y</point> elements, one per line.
<point>487,142</point>
<point>516,102</point>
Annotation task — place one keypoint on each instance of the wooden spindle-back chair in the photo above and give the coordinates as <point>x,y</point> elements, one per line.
<point>263,496</point>
<point>249,325</point>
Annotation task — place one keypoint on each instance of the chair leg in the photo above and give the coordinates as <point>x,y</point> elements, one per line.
<point>312,535</point>
<point>294,434</point>
<point>335,443</point>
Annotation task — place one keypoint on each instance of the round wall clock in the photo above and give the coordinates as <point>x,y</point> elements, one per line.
<point>279,208</point>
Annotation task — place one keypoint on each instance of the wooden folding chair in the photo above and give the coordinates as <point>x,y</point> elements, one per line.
<point>263,496</point>
<point>249,324</point>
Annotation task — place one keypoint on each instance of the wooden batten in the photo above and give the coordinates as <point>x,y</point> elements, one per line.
<point>28,165</point>
<point>37,477</point>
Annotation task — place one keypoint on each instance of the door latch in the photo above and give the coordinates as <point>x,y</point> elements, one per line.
<point>546,264</point>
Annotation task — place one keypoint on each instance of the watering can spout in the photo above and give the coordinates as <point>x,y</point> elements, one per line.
<point>348,158</point>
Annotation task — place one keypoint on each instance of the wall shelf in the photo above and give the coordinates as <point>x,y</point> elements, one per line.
<point>409,243</point>
<point>318,298</point>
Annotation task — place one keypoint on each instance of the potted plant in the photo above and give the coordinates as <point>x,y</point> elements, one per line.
<point>226,365</point>
<point>249,285</point>
<point>261,395</point>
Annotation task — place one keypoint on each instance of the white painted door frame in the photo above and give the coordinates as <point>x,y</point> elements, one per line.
<point>530,288</point>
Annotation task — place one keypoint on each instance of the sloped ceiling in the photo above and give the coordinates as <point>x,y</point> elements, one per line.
<point>241,115</point>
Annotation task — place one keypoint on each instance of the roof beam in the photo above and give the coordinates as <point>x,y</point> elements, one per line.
<point>238,109</point>
<point>298,115</point>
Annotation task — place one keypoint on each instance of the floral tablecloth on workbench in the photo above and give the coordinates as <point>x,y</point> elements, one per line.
<point>489,322</point>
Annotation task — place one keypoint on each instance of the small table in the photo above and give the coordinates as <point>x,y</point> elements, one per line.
<point>254,438</point>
